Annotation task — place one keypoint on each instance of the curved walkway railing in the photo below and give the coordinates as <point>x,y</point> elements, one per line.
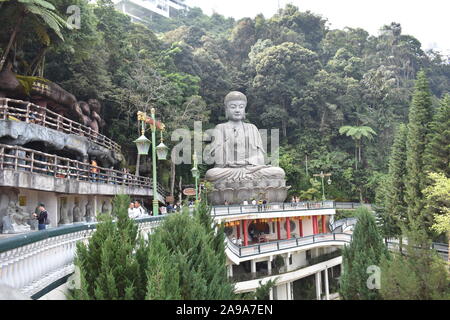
<point>218,211</point>
<point>31,262</point>
<point>441,248</point>
<point>32,113</point>
<point>343,224</point>
<point>278,245</point>
<point>352,205</point>
<point>29,160</point>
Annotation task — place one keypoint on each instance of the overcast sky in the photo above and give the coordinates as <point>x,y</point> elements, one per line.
<point>427,20</point>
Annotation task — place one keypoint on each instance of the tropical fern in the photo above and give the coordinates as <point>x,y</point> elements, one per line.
<point>357,133</point>
<point>41,11</point>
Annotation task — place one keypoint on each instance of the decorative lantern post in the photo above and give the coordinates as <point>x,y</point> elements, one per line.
<point>143,146</point>
<point>195,174</point>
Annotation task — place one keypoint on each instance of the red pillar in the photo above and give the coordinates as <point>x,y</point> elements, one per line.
<point>300,227</point>
<point>314,218</point>
<point>288,227</point>
<point>324,229</point>
<point>278,229</point>
<point>245,231</point>
<point>238,231</point>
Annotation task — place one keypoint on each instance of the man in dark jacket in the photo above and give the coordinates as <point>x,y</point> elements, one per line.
<point>41,217</point>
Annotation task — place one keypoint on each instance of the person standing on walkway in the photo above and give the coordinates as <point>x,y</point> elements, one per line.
<point>264,203</point>
<point>94,169</point>
<point>139,211</point>
<point>41,217</point>
<point>131,211</point>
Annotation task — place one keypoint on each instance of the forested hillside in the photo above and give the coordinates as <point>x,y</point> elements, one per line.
<point>299,76</point>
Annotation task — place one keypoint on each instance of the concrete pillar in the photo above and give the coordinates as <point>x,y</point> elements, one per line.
<point>253,266</point>
<point>318,286</point>
<point>238,231</point>
<point>269,266</point>
<point>289,291</point>
<point>271,294</point>
<point>95,207</point>
<point>51,205</point>
<point>231,270</point>
<point>327,289</point>
<point>300,227</point>
<point>286,261</point>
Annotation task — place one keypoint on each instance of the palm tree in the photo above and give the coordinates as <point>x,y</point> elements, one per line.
<point>357,133</point>
<point>42,14</point>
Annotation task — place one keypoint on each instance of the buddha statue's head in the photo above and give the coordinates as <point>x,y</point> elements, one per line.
<point>235,103</point>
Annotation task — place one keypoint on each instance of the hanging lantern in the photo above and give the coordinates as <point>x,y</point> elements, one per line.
<point>142,144</point>
<point>162,150</point>
<point>195,172</point>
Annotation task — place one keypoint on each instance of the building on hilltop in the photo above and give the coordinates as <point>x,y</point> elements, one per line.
<point>142,10</point>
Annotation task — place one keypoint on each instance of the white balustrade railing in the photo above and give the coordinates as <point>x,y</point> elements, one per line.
<point>273,246</point>
<point>270,207</point>
<point>31,262</point>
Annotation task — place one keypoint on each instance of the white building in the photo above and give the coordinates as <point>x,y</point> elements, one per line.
<point>144,10</point>
<point>283,242</point>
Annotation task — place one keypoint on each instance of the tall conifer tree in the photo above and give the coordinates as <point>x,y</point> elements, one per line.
<point>393,212</point>
<point>366,249</point>
<point>438,149</point>
<point>196,254</point>
<point>108,264</point>
<point>420,117</point>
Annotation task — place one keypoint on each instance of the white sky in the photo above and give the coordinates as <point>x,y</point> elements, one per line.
<point>427,20</point>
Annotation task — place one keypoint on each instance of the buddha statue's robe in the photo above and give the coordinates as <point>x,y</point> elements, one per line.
<point>239,155</point>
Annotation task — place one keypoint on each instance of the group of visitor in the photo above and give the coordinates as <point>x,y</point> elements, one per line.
<point>90,170</point>
<point>236,241</point>
<point>261,203</point>
<point>135,210</point>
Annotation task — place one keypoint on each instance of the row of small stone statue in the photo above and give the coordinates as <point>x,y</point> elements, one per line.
<point>16,220</point>
<point>76,215</point>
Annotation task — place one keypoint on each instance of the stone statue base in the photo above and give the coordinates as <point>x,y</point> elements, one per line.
<point>235,192</point>
<point>33,224</point>
<point>11,227</point>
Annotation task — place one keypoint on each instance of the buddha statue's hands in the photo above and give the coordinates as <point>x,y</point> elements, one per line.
<point>237,164</point>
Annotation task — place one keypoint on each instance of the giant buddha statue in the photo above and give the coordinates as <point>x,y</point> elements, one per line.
<point>240,172</point>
